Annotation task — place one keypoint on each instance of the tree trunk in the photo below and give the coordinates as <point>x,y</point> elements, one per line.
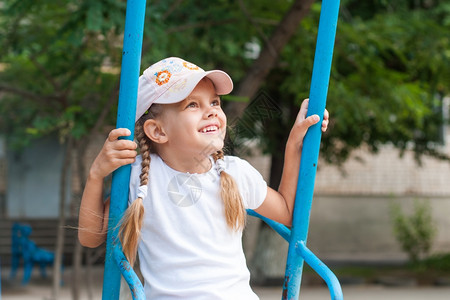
<point>62,219</point>
<point>89,278</point>
<point>76,267</point>
<point>80,151</point>
<point>268,264</point>
<point>269,259</point>
<point>269,55</point>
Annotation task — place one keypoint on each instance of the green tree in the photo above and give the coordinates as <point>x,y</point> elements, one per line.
<point>389,76</point>
<point>54,81</point>
<point>60,61</point>
<point>414,232</point>
<point>59,66</point>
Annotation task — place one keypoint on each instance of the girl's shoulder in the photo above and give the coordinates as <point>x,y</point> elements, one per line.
<point>138,161</point>
<point>233,163</point>
<point>237,165</point>
<point>252,186</point>
<point>136,167</point>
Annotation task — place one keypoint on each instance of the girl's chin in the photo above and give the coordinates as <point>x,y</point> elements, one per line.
<point>215,146</point>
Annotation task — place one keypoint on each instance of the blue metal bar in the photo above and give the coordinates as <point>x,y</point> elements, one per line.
<point>282,230</point>
<point>332,282</point>
<point>310,153</point>
<point>136,288</point>
<point>310,258</point>
<point>129,77</point>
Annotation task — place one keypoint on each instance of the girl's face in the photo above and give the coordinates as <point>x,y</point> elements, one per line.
<point>197,125</point>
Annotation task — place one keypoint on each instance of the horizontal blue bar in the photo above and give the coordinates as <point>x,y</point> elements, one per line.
<point>282,230</point>
<point>314,262</point>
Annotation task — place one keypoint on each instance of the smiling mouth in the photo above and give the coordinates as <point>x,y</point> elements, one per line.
<point>212,128</point>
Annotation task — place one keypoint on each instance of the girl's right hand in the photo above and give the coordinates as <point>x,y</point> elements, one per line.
<point>114,154</point>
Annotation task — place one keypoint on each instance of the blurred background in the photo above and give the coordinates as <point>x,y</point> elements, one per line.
<point>382,193</point>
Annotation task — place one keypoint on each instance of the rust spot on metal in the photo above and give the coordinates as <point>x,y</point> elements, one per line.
<point>285,287</point>
<point>134,291</point>
<point>125,265</point>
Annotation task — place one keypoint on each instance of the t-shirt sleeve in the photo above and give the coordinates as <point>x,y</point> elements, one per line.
<point>252,185</point>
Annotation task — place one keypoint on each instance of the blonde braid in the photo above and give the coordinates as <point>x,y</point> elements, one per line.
<point>234,208</point>
<point>130,229</point>
<point>144,145</point>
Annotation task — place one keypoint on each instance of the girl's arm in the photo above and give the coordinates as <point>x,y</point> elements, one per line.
<point>93,217</point>
<point>279,205</point>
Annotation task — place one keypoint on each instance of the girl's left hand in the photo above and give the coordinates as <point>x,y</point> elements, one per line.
<point>326,120</point>
<point>279,205</point>
<point>302,124</point>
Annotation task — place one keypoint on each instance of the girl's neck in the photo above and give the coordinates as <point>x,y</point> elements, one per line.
<point>195,164</point>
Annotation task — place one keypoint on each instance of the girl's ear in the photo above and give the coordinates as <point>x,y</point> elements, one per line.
<point>154,131</point>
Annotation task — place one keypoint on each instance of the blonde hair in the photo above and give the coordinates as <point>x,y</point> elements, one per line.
<point>131,224</point>
<point>229,192</point>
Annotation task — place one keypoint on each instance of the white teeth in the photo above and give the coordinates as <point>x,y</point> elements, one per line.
<point>209,129</point>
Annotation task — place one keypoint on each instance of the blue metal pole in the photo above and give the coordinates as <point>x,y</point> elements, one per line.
<point>314,262</point>
<point>129,77</point>
<point>134,283</point>
<point>310,154</point>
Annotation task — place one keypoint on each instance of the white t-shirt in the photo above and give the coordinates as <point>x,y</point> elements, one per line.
<point>187,250</point>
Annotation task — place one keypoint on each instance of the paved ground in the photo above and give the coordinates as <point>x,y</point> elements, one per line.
<point>360,292</point>
<point>365,292</point>
<point>40,289</point>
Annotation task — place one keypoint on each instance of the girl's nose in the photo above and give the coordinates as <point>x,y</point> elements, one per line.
<point>212,112</point>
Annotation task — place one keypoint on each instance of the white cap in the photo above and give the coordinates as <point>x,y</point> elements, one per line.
<point>172,79</point>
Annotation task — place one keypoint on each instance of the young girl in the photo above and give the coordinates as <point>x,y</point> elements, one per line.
<point>187,200</point>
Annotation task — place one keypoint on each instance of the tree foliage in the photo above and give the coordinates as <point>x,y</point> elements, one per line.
<point>53,61</point>
<point>389,76</point>
<point>414,232</point>
<point>60,61</point>
<point>60,65</point>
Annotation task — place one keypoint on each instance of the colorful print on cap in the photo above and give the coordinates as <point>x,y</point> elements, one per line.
<point>169,67</point>
<point>162,77</point>
<point>190,66</point>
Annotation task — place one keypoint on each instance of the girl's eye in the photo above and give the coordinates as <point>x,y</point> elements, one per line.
<point>215,102</point>
<point>191,105</point>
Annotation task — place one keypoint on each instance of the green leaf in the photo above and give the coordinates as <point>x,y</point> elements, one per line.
<point>94,16</point>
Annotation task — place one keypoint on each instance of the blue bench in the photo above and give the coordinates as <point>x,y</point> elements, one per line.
<point>24,249</point>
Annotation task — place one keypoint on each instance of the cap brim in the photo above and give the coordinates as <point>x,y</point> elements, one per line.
<point>221,80</point>
<point>222,83</point>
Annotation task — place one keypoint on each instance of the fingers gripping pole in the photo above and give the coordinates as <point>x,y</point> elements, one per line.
<point>129,77</point>
<point>310,154</point>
